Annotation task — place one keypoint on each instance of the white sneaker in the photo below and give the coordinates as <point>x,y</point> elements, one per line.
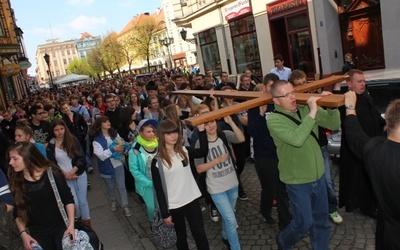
<point>214,214</point>
<point>127,212</point>
<point>336,218</point>
<point>113,206</point>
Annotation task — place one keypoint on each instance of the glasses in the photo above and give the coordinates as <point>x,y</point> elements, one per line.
<point>288,95</point>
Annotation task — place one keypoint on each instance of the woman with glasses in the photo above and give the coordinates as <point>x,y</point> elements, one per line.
<point>154,111</point>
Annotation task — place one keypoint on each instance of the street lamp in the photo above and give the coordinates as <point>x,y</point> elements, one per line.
<point>167,41</point>
<point>190,40</point>
<point>47,59</point>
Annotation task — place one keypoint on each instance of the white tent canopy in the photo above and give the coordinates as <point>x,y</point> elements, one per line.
<point>71,78</point>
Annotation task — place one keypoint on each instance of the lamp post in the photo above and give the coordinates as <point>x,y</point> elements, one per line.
<point>167,41</point>
<point>47,59</point>
<point>183,33</point>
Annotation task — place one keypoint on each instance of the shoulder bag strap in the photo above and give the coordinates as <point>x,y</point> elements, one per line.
<point>57,195</point>
<point>297,122</point>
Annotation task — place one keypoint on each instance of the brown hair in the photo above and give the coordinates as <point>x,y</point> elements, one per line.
<point>22,124</point>
<point>392,116</point>
<point>165,127</point>
<point>33,161</point>
<point>95,129</point>
<point>68,143</point>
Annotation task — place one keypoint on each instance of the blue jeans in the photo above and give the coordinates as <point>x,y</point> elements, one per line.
<point>225,203</point>
<point>79,191</point>
<point>332,201</point>
<point>309,205</point>
<point>120,180</point>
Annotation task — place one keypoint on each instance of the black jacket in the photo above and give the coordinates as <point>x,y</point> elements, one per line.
<point>78,161</point>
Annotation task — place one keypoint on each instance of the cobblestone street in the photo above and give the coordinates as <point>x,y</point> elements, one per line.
<point>119,232</point>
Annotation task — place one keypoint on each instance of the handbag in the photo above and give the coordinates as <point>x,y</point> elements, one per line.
<point>164,235</point>
<point>85,237</point>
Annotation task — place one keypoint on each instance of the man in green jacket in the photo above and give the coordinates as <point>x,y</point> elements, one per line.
<point>294,129</point>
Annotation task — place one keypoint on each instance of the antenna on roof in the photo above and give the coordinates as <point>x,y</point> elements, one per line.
<point>51,30</point>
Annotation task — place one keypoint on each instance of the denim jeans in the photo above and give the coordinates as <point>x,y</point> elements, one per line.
<point>120,180</point>
<point>330,185</point>
<point>309,203</point>
<point>79,191</point>
<point>194,217</point>
<point>226,202</point>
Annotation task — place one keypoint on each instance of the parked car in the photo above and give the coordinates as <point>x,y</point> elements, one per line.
<point>382,93</point>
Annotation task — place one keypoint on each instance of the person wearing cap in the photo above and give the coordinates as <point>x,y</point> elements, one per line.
<point>143,150</point>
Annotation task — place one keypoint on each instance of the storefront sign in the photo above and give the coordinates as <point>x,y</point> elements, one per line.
<point>236,9</point>
<point>281,6</point>
<point>10,69</point>
<point>25,64</point>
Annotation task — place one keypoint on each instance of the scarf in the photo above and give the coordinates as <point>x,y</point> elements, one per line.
<point>147,144</point>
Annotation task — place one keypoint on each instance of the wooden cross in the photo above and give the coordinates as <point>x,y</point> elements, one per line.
<point>256,99</point>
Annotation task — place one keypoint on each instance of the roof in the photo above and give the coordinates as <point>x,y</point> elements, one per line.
<point>84,35</point>
<point>139,19</point>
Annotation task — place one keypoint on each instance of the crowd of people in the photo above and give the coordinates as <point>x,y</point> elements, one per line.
<point>134,130</point>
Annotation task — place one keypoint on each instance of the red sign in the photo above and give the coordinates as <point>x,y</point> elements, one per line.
<point>236,9</point>
<point>284,5</point>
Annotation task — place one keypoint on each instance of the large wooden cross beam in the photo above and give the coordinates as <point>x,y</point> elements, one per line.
<point>256,99</point>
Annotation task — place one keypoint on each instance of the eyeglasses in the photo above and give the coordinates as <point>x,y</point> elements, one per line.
<point>286,95</point>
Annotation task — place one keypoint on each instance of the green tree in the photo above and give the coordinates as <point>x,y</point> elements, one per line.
<point>81,67</point>
<point>129,50</point>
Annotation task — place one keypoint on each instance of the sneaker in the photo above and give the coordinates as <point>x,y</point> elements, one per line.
<point>203,208</point>
<point>269,220</point>
<point>336,218</point>
<point>88,184</point>
<point>113,206</point>
<point>243,195</point>
<point>226,243</point>
<point>127,212</point>
<point>90,170</point>
<point>214,214</point>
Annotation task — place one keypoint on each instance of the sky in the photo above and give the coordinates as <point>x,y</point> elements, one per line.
<point>68,19</point>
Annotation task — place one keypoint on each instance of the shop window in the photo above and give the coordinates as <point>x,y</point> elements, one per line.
<point>209,51</point>
<point>245,45</point>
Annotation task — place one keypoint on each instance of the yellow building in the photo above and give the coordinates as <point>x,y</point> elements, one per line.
<point>13,61</point>
<point>60,55</point>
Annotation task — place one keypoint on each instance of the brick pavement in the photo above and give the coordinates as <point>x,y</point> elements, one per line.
<point>119,232</point>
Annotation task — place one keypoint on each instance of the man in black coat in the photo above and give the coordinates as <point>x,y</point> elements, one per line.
<point>355,187</point>
<point>381,160</point>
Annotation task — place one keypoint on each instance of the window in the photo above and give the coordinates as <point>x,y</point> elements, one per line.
<point>209,51</point>
<point>245,45</point>
<point>65,61</point>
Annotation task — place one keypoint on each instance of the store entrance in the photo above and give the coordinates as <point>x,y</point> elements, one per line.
<point>291,38</point>
<point>301,52</point>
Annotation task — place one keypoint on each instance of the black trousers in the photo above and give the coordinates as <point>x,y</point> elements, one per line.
<point>267,171</point>
<point>51,238</point>
<point>194,217</point>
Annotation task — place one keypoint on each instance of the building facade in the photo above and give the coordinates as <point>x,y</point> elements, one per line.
<point>61,54</point>
<point>14,63</point>
<point>312,35</point>
<point>86,43</point>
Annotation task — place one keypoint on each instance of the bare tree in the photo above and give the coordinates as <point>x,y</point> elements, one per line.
<point>111,53</point>
<point>142,35</point>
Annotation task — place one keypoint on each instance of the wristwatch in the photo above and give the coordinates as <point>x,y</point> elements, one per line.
<point>351,107</point>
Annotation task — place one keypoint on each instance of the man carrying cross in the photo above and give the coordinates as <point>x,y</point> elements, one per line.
<point>301,167</point>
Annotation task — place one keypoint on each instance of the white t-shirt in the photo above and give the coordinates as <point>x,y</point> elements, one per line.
<point>181,185</point>
<point>63,160</point>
